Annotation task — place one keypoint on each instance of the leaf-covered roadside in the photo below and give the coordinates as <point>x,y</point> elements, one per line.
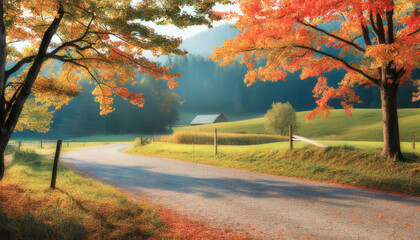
<point>78,208</point>
<point>81,208</point>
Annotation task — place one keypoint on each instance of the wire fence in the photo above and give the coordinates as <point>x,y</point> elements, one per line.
<point>38,144</point>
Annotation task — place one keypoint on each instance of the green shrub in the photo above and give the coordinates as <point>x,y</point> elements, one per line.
<point>279,117</point>
<point>27,158</point>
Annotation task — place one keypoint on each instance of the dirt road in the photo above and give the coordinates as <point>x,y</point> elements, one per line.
<point>268,207</point>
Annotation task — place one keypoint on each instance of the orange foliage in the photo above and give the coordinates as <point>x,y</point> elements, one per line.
<point>318,36</point>
<point>104,41</point>
<point>181,227</point>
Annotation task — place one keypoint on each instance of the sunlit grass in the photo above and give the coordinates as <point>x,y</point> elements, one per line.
<point>222,138</point>
<point>363,125</point>
<point>277,146</point>
<point>108,138</point>
<point>343,164</point>
<point>406,147</point>
<point>79,208</point>
<point>50,148</point>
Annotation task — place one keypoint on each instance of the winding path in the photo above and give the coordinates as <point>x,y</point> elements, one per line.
<point>268,207</point>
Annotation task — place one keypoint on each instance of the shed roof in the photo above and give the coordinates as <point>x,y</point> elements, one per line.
<point>205,119</point>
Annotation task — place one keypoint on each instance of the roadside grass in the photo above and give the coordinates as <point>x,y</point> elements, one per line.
<point>222,138</point>
<point>107,138</point>
<point>50,148</point>
<point>363,125</point>
<point>79,208</point>
<point>92,138</point>
<point>277,146</point>
<point>343,164</point>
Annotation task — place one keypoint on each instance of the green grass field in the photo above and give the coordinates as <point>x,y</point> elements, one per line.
<point>363,125</point>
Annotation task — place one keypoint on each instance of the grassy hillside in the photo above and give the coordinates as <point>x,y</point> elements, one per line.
<point>363,125</point>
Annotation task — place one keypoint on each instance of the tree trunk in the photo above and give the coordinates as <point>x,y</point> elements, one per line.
<point>3,132</point>
<point>390,122</point>
<point>4,139</point>
<point>2,166</point>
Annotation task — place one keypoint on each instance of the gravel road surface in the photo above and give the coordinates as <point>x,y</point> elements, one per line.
<point>268,207</point>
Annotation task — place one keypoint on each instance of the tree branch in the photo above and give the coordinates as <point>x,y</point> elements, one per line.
<point>346,64</point>
<point>413,32</point>
<point>65,58</point>
<point>380,28</point>
<point>29,59</point>
<point>18,65</point>
<point>13,98</point>
<point>390,24</point>
<point>135,62</point>
<point>354,39</point>
<point>365,32</point>
<point>16,109</point>
<point>372,23</point>
<point>332,35</point>
<point>72,43</point>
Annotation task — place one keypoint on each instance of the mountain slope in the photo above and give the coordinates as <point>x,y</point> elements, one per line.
<point>203,43</point>
<point>364,125</point>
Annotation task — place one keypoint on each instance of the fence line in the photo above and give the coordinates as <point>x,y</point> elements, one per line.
<point>39,144</point>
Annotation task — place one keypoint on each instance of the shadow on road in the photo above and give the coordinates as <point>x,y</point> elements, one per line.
<point>143,178</point>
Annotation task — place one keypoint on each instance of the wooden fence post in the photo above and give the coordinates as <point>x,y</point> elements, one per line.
<point>40,143</point>
<point>56,158</point>
<point>414,141</point>
<point>19,144</point>
<point>215,141</point>
<point>291,136</point>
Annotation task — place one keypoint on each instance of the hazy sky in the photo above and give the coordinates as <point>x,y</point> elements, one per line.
<point>171,30</point>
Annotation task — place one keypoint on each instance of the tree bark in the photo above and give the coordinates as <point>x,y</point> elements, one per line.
<point>3,144</point>
<point>4,138</point>
<point>390,121</point>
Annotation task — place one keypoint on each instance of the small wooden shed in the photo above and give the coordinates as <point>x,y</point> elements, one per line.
<point>208,119</point>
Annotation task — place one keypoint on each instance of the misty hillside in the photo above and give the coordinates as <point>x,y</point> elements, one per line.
<point>203,43</point>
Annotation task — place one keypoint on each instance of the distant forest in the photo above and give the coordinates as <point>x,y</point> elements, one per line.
<point>81,116</point>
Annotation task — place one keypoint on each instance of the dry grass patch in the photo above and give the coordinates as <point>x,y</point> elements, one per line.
<point>222,138</point>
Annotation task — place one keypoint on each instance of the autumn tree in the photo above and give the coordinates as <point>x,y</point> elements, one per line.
<point>106,41</point>
<point>279,117</point>
<point>375,41</point>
